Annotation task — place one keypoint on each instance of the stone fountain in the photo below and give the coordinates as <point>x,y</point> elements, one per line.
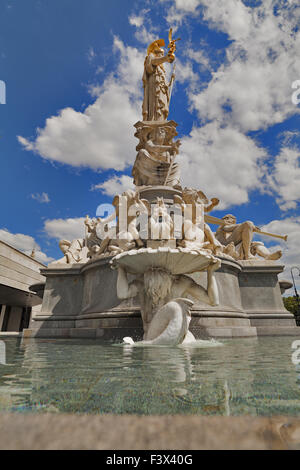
<point>154,271</point>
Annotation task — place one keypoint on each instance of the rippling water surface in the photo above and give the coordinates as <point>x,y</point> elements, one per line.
<point>244,376</point>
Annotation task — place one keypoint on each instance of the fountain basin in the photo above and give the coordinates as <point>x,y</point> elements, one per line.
<point>80,301</point>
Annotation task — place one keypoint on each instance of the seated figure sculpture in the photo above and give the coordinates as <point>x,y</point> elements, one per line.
<point>74,252</point>
<point>122,236</point>
<point>154,163</point>
<point>93,242</point>
<point>157,288</point>
<point>232,235</point>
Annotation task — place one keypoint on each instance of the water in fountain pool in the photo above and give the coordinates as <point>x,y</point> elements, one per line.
<point>242,376</point>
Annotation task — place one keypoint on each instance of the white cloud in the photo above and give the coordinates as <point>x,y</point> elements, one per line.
<point>199,57</point>
<point>179,9</point>
<point>42,198</point>
<point>101,137</point>
<point>136,21</point>
<point>284,178</point>
<point>250,91</point>
<point>68,229</point>
<point>145,33</point>
<point>26,143</point>
<point>24,243</point>
<point>100,69</point>
<point>245,94</point>
<point>185,74</point>
<point>262,62</point>
<point>145,36</point>
<point>291,253</point>
<point>41,256</point>
<point>91,54</point>
<point>222,162</point>
<point>232,16</point>
<point>115,185</point>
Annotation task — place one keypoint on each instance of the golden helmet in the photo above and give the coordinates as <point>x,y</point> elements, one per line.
<point>155,45</point>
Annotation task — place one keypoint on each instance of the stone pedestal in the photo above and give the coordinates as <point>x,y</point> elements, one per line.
<point>152,192</point>
<point>262,300</point>
<point>81,301</point>
<point>228,319</point>
<point>161,243</point>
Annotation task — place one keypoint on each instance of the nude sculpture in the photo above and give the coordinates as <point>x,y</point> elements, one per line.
<point>258,248</point>
<point>231,235</point>
<point>231,232</point>
<point>124,235</point>
<point>74,252</point>
<point>196,233</point>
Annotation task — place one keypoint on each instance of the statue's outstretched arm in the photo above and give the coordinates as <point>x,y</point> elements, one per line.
<point>211,295</point>
<point>214,202</point>
<point>161,60</point>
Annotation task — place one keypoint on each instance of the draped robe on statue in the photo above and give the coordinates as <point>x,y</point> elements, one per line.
<point>156,91</point>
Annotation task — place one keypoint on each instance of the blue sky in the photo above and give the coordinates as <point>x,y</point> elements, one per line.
<point>73,72</point>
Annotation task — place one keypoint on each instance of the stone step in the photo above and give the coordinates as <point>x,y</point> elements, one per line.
<point>278,331</point>
<point>232,332</point>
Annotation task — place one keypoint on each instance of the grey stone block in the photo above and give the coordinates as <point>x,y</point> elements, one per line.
<point>231,332</point>
<point>83,297</point>
<point>277,331</point>
<point>83,333</point>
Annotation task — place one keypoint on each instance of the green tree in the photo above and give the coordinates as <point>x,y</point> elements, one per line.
<point>291,304</point>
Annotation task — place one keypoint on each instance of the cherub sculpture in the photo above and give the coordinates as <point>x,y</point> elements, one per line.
<point>238,239</point>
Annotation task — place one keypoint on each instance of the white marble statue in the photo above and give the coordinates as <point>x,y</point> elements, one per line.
<point>157,287</point>
<point>169,326</point>
<point>238,239</point>
<point>231,232</point>
<point>156,89</point>
<point>123,236</point>
<point>154,164</point>
<point>98,235</point>
<point>196,233</point>
<point>74,252</point>
<point>258,248</point>
<point>131,206</point>
<point>161,223</point>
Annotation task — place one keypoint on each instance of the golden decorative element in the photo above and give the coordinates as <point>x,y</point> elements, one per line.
<point>172,45</point>
<point>155,45</point>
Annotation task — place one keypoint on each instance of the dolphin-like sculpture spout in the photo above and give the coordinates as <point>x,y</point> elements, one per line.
<point>169,326</point>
